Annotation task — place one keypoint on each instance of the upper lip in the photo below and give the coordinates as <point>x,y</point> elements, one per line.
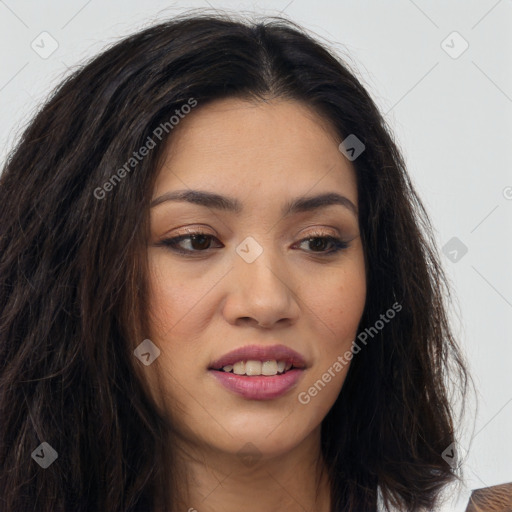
<point>260,353</point>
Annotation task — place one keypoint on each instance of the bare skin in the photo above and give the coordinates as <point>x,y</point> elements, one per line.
<point>298,292</point>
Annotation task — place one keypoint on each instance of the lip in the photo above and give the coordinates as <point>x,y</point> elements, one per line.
<point>259,387</point>
<point>262,387</point>
<point>260,353</point>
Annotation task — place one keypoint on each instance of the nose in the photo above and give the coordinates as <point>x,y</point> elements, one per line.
<point>260,294</point>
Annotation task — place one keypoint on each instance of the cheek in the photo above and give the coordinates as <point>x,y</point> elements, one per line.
<point>346,315</point>
<point>337,301</point>
<point>173,295</point>
<point>337,305</point>
<point>175,317</point>
<point>165,300</point>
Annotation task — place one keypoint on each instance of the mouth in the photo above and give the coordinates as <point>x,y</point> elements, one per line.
<point>259,360</point>
<point>252,368</point>
<point>259,372</point>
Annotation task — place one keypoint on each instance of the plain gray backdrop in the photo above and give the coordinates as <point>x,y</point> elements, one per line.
<point>439,71</point>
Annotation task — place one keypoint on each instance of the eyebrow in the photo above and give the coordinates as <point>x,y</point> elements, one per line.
<point>219,202</point>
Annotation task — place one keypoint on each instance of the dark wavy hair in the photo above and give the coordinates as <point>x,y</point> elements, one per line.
<point>73,296</point>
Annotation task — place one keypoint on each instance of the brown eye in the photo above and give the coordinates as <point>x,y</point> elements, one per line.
<point>318,244</point>
<point>190,243</point>
<point>200,242</point>
<point>324,244</point>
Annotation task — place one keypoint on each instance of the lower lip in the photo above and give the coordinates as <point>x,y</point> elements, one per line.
<point>259,387</point>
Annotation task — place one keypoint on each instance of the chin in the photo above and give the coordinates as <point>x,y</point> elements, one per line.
<point>264,438</point>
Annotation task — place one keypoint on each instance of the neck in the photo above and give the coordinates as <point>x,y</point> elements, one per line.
<point>289,482</point>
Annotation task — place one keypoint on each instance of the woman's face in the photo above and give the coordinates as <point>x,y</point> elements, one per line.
<point>261,274</point>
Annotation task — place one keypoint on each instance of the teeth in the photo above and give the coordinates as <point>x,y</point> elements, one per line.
<point>269,368</point>
<point>253,367</point>
<point>239,368</point>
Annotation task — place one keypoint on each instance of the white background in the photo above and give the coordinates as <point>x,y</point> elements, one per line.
<point>451,117</point>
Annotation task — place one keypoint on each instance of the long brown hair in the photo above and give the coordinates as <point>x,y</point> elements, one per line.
<point>73,278</point>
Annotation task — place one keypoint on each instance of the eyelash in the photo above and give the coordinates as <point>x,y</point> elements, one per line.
<point>172,243</point>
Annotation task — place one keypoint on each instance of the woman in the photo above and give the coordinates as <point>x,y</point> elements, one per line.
<point>219,288</point>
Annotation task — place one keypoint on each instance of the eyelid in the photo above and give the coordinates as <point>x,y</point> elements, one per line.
<point>191,230</point>
<point>320,232</point>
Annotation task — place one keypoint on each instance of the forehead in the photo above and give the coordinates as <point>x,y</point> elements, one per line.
<point>232,143</point>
